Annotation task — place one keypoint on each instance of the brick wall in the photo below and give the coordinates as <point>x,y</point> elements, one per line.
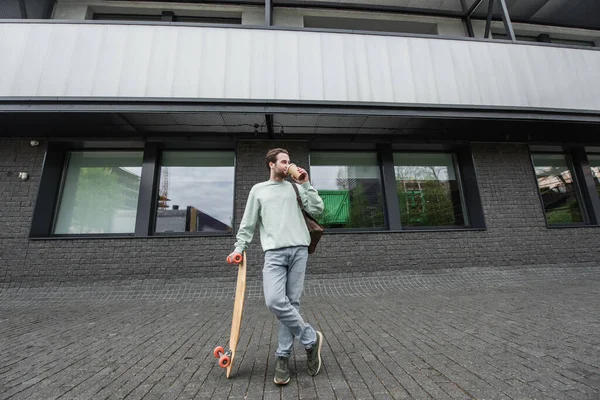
<point>516,233</point>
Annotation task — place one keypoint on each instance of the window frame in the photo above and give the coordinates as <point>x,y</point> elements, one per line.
<point>154,212</point>
<point>578,196</point>
<point>466,173</point>
<point>381,180</point>
<point>588,188</point>
<point>168,16</point>
<point>585,189</point>
<point>595,154</point>
<point>53,176</point>
<point>61,188</point>
<point>461,191</point>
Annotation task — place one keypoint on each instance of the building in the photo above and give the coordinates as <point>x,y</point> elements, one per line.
<point>444,133</point>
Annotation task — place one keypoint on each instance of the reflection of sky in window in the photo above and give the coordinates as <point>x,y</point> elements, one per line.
<point>423,173</point>
<point>327,177</point>
<point>424,166</point>
<point>133,170</point>
<point>551,171</point>
<point>209,189</point>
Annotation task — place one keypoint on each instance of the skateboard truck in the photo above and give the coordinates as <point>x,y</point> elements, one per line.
<point>223,356</point>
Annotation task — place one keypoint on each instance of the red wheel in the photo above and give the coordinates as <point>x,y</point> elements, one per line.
<point>218,351</point>
<point>224,361</point>
<point>237,259</point>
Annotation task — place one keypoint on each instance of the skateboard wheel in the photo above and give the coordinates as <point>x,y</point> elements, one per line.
<point>235,260</point>
<point>218,351</point>
<point>224,361</point>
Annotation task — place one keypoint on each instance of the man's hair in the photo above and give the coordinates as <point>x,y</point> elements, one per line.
<point>272,156</point>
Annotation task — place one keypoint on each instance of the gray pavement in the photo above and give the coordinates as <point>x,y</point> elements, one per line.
<point>520,333</point>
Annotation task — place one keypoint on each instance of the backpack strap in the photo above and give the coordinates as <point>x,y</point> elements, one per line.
<point>298,196</point>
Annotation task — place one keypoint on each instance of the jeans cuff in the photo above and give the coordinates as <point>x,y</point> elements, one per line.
<point>313,337</point>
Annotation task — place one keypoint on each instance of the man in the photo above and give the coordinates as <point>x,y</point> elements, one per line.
<point>284,239</point>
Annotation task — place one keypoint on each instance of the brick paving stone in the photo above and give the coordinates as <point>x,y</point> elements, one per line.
<point>512,334</point>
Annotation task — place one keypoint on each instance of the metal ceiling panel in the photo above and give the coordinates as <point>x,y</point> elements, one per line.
<point>575,13</point>
<point>298,130</point>
<point>198,119</point>
<point>296,120</point>
<point>377,131</point>
<point>341,121</point>
<point>422,123</point>
<point>151,119</point>
<point>385,122</point>
<point>525,8</point>
<point>233,119</point>
<point>337,131</point>
<point>10,9</point>
<point>184,129</point>
<point>23,124</point>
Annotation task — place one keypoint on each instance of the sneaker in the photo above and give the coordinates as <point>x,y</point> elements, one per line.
<point>313,356</point>
<point>282,371</point>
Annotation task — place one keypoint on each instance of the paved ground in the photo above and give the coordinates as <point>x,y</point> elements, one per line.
<point>469,334</point>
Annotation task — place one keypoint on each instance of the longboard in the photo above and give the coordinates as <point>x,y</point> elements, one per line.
<point>226,358</point>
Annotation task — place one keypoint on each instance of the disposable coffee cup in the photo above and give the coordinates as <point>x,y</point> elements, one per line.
<point>293,171</point>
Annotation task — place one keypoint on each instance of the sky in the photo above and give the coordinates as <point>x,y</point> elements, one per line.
<point>209,189</point>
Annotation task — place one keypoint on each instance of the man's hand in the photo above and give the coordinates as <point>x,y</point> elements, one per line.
<point>301,171</point>
<point>231,259</point>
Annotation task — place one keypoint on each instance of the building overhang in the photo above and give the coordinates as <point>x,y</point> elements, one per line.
<point>231,122</point>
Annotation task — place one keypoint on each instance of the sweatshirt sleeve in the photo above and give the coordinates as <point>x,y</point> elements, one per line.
<point>248,224</point>
<point>313,204</point>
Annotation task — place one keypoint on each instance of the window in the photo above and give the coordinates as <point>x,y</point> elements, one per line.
<point>583,43</point>
<point>375,25</point>
<point>520,38</point>
<point>195,192</point>
<point>429,191</point>
<point>544,38</point>
<point>558,189</point>
<point>594,160</point>
<point>99,193</point>
<point>207,17</point>
<point>136,192</point>
<point>350,185</point>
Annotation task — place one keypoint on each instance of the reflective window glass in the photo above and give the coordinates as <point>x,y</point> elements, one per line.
<point>99,193</point>
<point>557,188</point>
<point>195,192</point>
<point>594,160</point>
<point>428,190</point>
<point>350,185</point>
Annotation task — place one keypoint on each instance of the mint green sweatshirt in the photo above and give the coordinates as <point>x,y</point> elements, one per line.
<point>274,206</point>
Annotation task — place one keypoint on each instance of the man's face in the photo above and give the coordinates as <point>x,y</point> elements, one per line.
<point>281,165</point>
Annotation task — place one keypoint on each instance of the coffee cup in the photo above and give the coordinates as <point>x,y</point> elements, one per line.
<point>293,171</point>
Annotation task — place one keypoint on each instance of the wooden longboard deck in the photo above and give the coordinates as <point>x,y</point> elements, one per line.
<point>238,307</point>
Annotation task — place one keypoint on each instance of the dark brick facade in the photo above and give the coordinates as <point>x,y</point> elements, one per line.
<point>516,233</point>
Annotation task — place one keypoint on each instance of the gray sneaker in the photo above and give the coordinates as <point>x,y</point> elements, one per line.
<point>313,356</point>
<point>282,371</point>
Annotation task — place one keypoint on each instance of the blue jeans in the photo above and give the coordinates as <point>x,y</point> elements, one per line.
<point>283,283</point>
